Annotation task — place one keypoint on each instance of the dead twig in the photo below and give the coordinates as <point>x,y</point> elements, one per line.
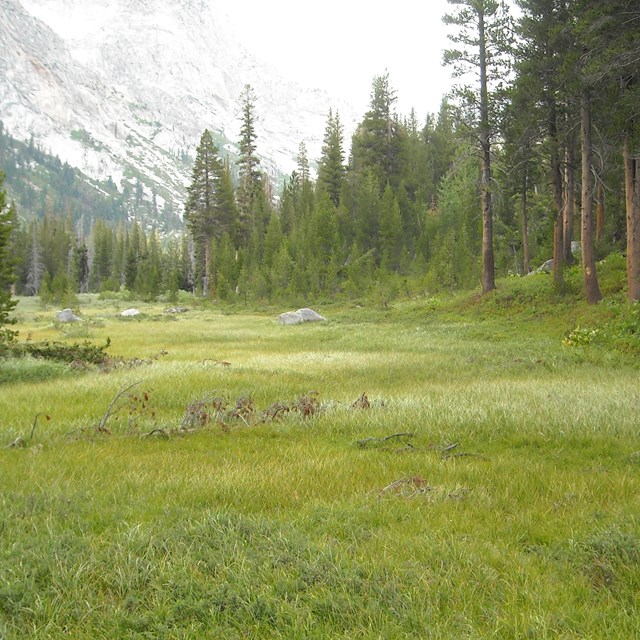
<point>157,432</point>
<point>415,484</point>
<point>102,425</point>
<point>466,455</point>
<point>18,443</point>
<point>371,442</point>
<point>361,403</point>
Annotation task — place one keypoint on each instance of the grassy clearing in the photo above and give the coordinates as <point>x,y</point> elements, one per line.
<point>512,511</point>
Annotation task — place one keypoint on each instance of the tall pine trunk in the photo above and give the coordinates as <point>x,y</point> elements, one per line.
<point>488,263</point>
<point>590,278</point>
<point>632,188</point>
<point>569,199</point>
<point>556,181</point>
<point>600,212</point>
<point>524,220</point>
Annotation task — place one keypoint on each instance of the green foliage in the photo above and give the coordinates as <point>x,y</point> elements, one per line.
<point>7,303</point>
<point>85,352</point>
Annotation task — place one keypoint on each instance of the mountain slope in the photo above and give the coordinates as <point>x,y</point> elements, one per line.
<point>124,88</point>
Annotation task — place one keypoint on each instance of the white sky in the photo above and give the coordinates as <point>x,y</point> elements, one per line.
<point>341,45</point>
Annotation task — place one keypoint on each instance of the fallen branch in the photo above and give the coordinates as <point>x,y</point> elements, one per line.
<point>466,455</point>
<point>18,443</point>
<point>157,432</point>
<point>374,442</point>
<point>102,426</point>
<point>417,483</point>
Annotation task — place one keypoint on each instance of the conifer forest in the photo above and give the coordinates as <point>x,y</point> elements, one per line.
<point>535,155</point>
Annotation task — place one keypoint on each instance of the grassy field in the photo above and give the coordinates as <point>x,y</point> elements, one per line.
<point>225,476</point>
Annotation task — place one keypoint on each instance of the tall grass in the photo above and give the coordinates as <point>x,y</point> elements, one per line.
<point>508,509</point>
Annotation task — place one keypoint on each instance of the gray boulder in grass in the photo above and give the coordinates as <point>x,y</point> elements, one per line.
<point>67,315</point>
<point>129,313</point>
<point>299,316</point>
<point>309,315</point>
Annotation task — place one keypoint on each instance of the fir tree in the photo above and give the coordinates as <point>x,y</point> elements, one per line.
<point>480,44</point>
<point>209,209</point>
<point>250,176</point>
<point>7,304</point>
<point>331,169</point>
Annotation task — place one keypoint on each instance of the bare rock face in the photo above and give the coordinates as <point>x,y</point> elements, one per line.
<point>299,316</point>
<point>67,315</point>
<point>115,85</point>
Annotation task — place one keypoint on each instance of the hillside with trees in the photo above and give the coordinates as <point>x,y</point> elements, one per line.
<point>533,156</point>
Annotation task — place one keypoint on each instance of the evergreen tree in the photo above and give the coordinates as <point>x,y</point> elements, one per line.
<point>376,144</point>
<point>482,40</point>
<point>209,210</point>
<point>546,36</point>
<point>250,185</point>
<point>331,168</point>
<point>36,266</point>
<point>7,304</point>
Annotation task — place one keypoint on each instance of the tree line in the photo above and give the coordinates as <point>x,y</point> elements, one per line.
<point>536,150</point>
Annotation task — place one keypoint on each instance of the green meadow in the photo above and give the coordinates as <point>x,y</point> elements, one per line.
<point>440,468</point>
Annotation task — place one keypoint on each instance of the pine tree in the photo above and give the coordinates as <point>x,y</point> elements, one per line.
<point>331,168</point>
<point>250,185</point>
<point>377,142</point>
<point>7,304</point>
<point>209,210</point>
<point>481,46</point>
<point>545,31</point>
<point>36,267</point>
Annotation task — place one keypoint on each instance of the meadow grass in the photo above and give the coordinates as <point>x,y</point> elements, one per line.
<point>511,511</point>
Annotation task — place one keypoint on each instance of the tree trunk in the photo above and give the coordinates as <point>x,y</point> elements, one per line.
<point>590,278</point>
<point>632,189</point>
<point>207,267</point>
<point>600,210</point>
<point>524,218</point>
<point>556,180</point>
<point>569,200</point>
<point>488,264</point>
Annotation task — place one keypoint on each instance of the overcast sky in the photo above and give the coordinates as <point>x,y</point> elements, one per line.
<point>340,45</point>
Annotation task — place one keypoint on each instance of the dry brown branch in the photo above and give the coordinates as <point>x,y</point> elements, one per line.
<point>275,412</point>
<point>371,442</point>
<point>102,425</point>
<point>465,455</point>
<point>362,402</point>
<point>18,443</point>
<point>409,485</point>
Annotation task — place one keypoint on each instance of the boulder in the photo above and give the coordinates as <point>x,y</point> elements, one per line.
<point>290,317</point>
<point>309,315</point>
<point>129,313</point>
<point>299,316</point>
<point>67,315</point>
<point>546,267</point>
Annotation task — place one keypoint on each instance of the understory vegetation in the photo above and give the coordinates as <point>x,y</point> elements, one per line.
<point>451,467</point>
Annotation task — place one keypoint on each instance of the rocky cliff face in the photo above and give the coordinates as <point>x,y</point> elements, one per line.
<point>124,88</point>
